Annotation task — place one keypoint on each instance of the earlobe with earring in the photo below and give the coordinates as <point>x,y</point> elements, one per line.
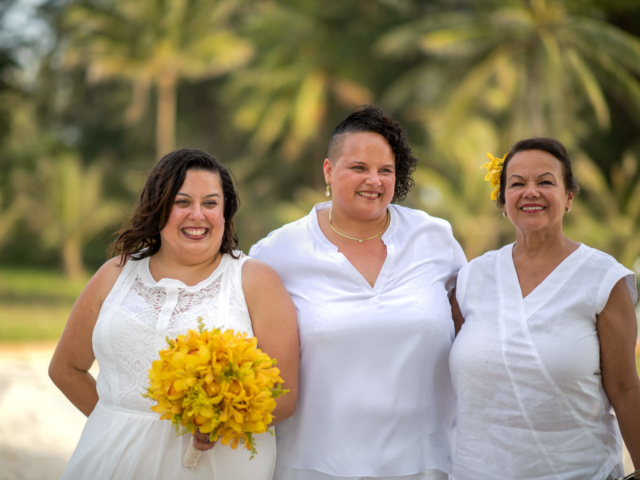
<point>328,191</point>
<point>568,209</point>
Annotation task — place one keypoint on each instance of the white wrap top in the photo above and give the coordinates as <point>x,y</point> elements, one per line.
<point>527,371</point>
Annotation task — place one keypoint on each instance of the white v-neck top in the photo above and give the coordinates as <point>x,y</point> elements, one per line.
<point>527,371</point>
<point>375,394</point>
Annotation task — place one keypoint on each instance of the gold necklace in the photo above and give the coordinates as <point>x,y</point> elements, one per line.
<point>360,239</point>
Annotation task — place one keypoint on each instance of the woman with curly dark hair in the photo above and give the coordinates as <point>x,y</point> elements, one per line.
<point>175,260</point>
<point>371,282</point>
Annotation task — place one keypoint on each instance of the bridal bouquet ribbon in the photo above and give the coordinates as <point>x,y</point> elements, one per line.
<point>218,382</point>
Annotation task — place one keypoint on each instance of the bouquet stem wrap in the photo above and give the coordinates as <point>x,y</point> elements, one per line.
<point>191,456</point>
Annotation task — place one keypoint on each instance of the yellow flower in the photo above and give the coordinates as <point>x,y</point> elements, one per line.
<point>494,167</point>
<point>219,382</point>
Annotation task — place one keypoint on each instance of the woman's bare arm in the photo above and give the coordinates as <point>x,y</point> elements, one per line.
<point>458,319</point>
<point>69,368</point>
<point>618,331</point>
<point>275,323</point>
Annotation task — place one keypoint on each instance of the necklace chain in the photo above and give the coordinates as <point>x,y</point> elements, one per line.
<point>359,239</point>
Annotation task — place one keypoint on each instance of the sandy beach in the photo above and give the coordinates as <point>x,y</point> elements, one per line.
<point>39,428</point>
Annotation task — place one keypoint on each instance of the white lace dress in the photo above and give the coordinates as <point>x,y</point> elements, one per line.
<point>123,439</point>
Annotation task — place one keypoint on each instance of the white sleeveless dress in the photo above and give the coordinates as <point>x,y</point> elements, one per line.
<point>123,439</point>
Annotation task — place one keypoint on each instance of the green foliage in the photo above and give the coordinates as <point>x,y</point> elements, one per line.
<point>68,207</point>
<point>262,84</point>
<point>35,304</point>
<point>155,42</point>
<point>32,322</point>
<point>38,286</point>
<point>532,67</point>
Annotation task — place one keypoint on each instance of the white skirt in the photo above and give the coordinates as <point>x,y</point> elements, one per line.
<point>123,444</point>
<point>283,472</point>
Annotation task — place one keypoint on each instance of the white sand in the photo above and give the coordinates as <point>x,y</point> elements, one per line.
<point>39,427</point>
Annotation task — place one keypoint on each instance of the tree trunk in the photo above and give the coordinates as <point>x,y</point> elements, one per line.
<point>72,257</point>
<point>166,114</point>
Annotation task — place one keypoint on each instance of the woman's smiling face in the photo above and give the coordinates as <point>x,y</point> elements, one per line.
<point>363,176</point>
<point>535,194</point>
<point>196,223</point>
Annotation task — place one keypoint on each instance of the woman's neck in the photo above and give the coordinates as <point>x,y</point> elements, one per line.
<point>354,226</point>
<point>189,270</point>
<point>545,243</point>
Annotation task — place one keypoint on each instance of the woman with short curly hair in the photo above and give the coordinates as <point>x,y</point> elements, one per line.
<point>371,282</point>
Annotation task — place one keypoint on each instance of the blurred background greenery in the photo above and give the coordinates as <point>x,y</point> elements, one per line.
<point>92,92</point>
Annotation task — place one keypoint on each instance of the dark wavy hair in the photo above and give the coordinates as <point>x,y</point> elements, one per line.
<point>369,118</point>
<point>140,235</point>
<point>549,145</point>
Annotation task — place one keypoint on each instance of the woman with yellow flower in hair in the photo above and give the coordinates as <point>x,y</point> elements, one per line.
<point>545,354</point>
<point>176,262</point>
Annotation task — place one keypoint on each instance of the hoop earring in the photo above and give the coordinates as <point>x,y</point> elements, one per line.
<point>328,191</point>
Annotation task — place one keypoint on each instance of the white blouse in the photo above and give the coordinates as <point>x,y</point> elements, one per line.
<point>375,393</point>
<point>527,371</point>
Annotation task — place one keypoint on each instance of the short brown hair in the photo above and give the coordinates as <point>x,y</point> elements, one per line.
<point>549,145</point>
<point>140,235</point>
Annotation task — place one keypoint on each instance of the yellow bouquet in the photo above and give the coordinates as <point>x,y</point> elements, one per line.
<point>219,382</point>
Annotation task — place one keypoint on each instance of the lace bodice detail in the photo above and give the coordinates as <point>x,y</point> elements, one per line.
<point>139,313</point>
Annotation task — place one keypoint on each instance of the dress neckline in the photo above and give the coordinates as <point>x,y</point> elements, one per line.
<point>174,282</point>
<point>386,238</point>
<point>545,290</point>
<point>315,224</point>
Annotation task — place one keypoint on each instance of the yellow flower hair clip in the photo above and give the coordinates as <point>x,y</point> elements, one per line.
<point>494,165</point>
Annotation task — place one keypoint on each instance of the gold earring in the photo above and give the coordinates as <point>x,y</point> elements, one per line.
<point>328,192</point>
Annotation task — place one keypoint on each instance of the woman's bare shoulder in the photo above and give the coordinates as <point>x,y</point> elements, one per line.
<point>104,279</point>
<point>255,272</point>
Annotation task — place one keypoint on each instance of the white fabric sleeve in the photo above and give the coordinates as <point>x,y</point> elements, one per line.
<point>461,285</point>
<point>253,251</point>
<point>613,276</point>
<point>458,260</point>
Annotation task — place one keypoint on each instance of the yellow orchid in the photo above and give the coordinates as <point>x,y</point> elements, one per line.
<point>494,167</point>
<point>219,382</point>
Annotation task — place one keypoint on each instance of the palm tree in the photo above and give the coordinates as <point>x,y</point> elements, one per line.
<point>156,43</point>
<point>69,207</point>
<point>449,184</point>
<point>303,71</point>
<point>607,213</point>
<point>489,78</point>
<point>531,66</point>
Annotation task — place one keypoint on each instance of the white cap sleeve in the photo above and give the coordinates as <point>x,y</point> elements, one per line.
<point>613,276</point>
<point>253,251</point>
<point>461,285</point>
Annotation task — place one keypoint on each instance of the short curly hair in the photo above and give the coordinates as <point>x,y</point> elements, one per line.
<point>369,118</point>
